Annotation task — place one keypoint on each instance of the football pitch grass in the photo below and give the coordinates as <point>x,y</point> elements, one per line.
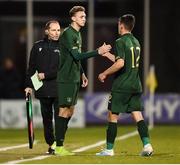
<point>165,140</point>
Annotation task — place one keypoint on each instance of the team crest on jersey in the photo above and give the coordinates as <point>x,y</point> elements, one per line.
<point>69,99</point>
<point>40,49</point>
<point>74,47</point>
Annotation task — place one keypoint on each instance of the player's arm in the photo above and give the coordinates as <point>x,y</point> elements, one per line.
<point>114,68</point>
<point>118,58</point>
<point>110,56</point>
<point>100,51</point>
<point>83,77</point>
<point>119,61</point>
<point>81,69</point>
<point>80,56</point>
<point>85,55</point>
<point>84,80</point>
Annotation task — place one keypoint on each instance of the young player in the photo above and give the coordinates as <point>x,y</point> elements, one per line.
<point>69,73</point>
<point>126,89</point>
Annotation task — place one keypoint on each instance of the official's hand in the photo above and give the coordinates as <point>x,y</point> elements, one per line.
<point>102,77</point>
<point>41,76</point>
<point>104,49</point>
<point>28,90</point>
<point>84,81</point>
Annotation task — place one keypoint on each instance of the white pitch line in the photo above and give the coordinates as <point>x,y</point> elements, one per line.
<point>15,147</point>
<point>90,146</point>
<point>123,137</point>
<point>104,141</point>
<point>30,159</point>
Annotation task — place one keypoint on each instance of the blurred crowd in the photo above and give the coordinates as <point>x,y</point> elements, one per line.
<point>11,81</point>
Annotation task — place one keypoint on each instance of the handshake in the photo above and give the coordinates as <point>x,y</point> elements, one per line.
<point>102,50</point>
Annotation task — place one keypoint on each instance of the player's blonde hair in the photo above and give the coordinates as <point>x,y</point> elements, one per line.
<point>76,9</point>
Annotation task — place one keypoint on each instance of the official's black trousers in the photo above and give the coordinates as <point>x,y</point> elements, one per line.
<point>48,110</point>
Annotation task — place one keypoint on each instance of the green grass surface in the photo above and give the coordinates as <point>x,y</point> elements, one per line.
<point>165,140</point>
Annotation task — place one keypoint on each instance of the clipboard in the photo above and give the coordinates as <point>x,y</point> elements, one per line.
<point>35,81</point>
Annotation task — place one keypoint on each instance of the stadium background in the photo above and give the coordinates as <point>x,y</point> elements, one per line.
<point>164,32</point>
<point>164,42</point>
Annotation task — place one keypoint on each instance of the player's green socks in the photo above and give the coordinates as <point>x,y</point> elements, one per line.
<point>60,130</point>
<point>111,135</point>
<point>143,132</point>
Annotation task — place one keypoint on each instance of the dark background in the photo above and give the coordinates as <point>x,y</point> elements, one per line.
<point>164,34</point>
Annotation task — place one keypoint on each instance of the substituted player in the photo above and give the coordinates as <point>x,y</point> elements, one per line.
<point>126,89</point>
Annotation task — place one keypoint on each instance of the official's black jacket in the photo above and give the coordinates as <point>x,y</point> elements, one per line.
<point>44,58</point>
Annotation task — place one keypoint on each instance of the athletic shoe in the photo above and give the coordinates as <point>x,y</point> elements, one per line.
<point>50,151</point>
<point>105,152</point>
<point>147,150</point>
<point>53,146</point>
<point>61,151</point>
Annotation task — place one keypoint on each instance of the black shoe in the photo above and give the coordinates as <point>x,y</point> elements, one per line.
<point>50,151</point>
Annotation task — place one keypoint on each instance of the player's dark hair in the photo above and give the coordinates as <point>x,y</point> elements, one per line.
<point>76,9</point>
<point>128,20</point>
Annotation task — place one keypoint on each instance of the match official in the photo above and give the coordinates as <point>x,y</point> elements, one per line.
<point>44,59</point>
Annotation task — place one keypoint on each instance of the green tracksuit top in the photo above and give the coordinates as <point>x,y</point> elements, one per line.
<point>70,48</point>
<point>127,78</point>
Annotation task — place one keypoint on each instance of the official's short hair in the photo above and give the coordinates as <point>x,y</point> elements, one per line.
<point>76,9</point>
<point>47,26</point>
<point>128,20</point>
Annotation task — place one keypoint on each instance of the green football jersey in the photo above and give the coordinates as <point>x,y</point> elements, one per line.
<point>127,79</point>
<point>70,56</point>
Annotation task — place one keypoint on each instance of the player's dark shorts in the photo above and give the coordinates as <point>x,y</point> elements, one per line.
<point>124,102</point>
<point>68,94</point>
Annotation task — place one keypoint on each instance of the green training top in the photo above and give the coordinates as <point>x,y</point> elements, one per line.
<point>70,56</point>
<point>127,79</point>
